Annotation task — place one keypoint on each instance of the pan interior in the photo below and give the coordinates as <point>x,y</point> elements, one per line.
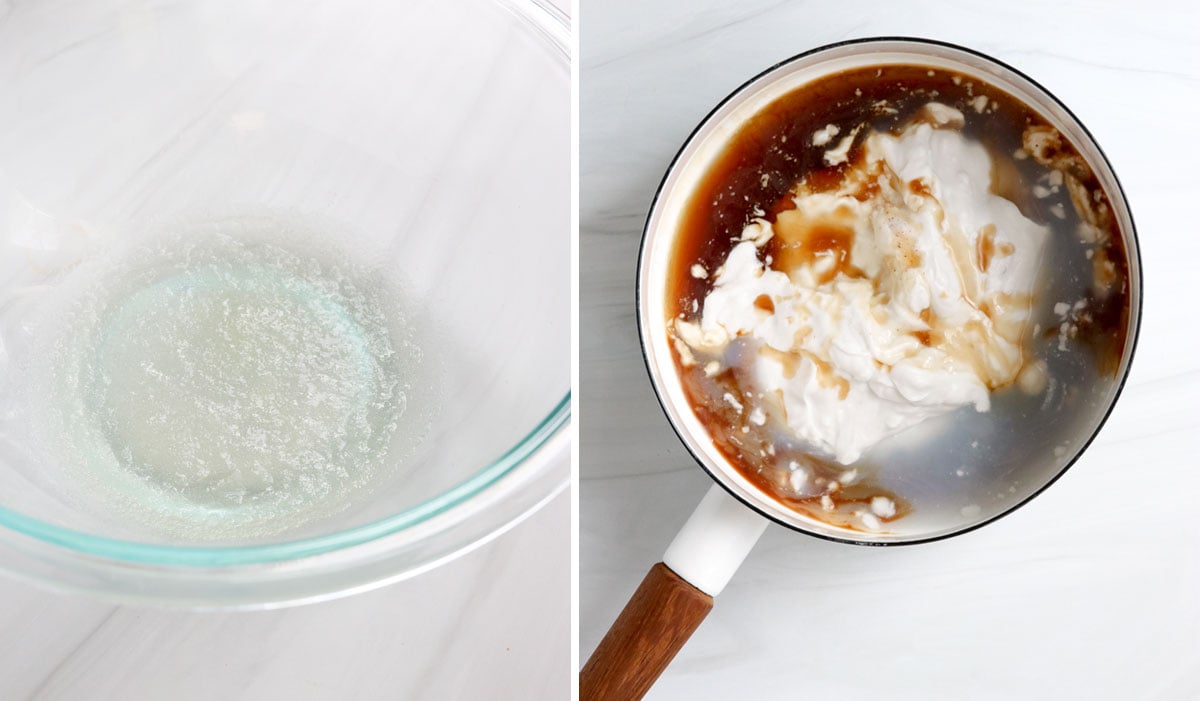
<point>965,468</point>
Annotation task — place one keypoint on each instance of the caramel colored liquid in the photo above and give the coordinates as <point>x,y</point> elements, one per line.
<point>774,151</point>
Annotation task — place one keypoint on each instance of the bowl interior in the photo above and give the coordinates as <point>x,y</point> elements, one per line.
<point>347,137</point>
<point>957,471</point>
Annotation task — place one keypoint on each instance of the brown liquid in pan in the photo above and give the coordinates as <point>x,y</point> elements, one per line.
<point>774,150</point>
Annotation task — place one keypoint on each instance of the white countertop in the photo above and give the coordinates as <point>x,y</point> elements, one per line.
<point>494,624</point>
<point>1089,591</point>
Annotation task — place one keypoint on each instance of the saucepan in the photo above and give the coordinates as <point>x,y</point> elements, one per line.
<point>977,467</point>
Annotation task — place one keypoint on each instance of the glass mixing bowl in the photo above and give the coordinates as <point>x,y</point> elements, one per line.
<point>428,142</point>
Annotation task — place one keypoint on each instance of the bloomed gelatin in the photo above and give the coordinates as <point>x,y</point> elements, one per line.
<point>225,386</point>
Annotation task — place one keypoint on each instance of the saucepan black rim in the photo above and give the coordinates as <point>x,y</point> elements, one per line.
<point>1137,292</point>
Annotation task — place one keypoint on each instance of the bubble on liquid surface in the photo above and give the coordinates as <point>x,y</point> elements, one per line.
<point>220,387</point>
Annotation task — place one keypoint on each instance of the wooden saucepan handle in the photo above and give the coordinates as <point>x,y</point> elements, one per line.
<point>663,613</point>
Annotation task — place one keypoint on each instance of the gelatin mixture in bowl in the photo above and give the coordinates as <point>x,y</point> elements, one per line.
<point>261,340</point>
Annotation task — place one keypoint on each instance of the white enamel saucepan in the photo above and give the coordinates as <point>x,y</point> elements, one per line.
<point>1013,456</point>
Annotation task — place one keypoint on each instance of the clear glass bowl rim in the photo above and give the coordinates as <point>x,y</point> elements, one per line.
<point>551,27</point>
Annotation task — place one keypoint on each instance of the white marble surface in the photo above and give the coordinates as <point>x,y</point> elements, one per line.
<point>494,624</point>
<point>1088,592</point>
